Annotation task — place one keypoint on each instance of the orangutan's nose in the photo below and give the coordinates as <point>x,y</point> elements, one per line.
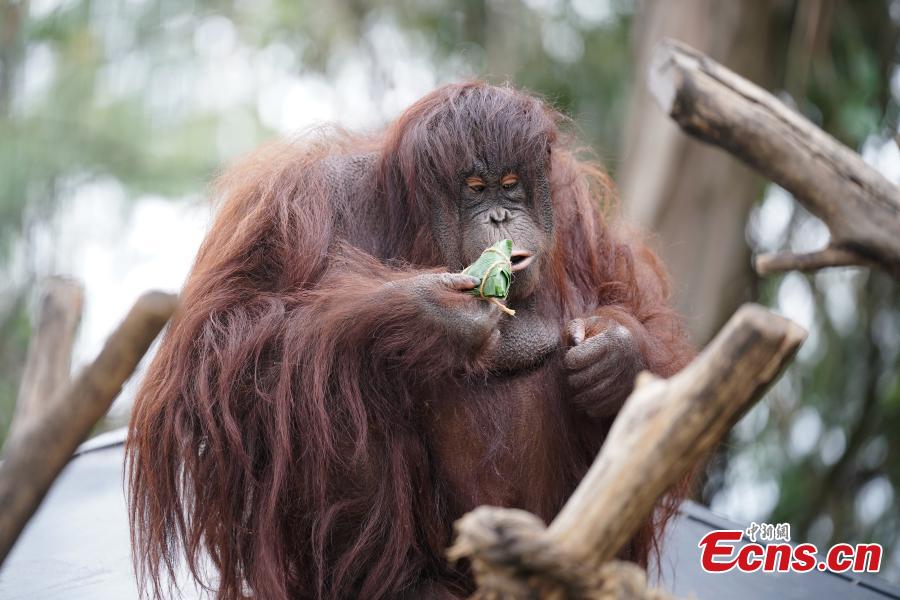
<point>498,216</point>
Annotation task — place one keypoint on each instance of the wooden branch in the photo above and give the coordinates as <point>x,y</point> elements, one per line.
<point>767,264</point>
<point>860,207</point>
<point>663,430</point>
<point>514,557</point>
<point>37,452</point>
<point>49,360</point>
<point>667,426</point>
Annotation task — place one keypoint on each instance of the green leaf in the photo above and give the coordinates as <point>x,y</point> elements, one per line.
<point>494,270</point>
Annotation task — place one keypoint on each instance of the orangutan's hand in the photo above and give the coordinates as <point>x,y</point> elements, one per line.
<point>601,365</point>
<point>441,301</point>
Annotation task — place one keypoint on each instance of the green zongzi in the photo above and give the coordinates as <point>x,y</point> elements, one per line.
<point>494,271</point>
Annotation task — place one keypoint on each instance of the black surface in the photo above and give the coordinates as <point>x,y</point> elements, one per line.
<point>77,547</point>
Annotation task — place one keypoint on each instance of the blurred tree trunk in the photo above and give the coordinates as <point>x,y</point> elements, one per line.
<point>695,198</point>
<point>12,18</point>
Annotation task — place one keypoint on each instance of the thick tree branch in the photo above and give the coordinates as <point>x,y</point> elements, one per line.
<point>666,426</point>
<point>860,207</point>
<point>50,348</point>
<point>36,452</point>
<point>663,430</point>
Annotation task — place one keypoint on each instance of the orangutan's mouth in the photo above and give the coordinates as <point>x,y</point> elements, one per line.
<point>521,259</point>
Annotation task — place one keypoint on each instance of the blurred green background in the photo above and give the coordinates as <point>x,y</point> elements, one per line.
<point>115,115</point>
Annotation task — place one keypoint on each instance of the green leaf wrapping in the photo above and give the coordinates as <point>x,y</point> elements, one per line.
<point>494,269</point>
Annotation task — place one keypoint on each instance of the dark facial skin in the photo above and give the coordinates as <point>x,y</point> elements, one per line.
<point>498,203</point>
<point>492,204</point>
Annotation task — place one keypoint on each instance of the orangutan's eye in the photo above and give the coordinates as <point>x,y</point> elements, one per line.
<point>509,181</point>
<point>476,184</point>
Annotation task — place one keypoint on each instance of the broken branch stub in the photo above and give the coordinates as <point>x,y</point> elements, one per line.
<point>49,358</point>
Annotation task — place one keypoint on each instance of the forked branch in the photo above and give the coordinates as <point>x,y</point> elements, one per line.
<point>37,451</point>
<point>860,207</point>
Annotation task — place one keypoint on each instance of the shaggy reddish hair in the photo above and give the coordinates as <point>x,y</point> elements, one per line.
<point>288,430</point>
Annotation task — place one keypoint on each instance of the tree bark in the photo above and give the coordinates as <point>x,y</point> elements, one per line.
<point>694,198</point>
